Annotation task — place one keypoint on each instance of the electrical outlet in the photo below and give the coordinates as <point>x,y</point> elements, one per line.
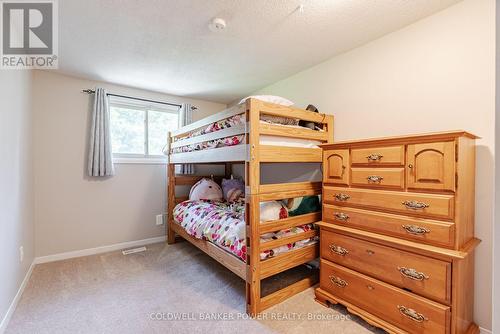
<point>159,220</point>
<point>21,254</point>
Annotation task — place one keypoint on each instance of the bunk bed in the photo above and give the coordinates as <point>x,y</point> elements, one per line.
<point>252,143</point>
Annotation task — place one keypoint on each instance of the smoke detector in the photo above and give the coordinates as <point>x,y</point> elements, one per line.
<point>217,24</point>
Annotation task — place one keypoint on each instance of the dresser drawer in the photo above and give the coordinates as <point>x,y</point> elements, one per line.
<point>417,204</point>
<point>385,155</point>
<point>423,230</point>
<point>378,177</point>
<point>405,310</point>
<point>423,275</point>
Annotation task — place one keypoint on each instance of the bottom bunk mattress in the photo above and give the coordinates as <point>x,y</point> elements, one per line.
<point>223,224</point>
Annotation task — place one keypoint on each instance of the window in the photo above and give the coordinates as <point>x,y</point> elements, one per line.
<point>139,130</point>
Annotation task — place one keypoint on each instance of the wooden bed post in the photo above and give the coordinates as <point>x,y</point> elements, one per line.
<point>329,128</point>
<point>170,203</point>
<point>170,195</point>
<point>252,209</point>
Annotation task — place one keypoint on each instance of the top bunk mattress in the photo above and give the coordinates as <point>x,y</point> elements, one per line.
<point>239,139</point>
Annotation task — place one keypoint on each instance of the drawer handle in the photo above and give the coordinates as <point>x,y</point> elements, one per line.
<point>411,314</point>
<point>417,230</point>
<point>338,250</point>
<point>412,274</point>
<point>415,205</point>
<point>338,281</point>
<point>375,178</point>
<point>342,197</point>
<point>374,157</point>
<point>340,216</point>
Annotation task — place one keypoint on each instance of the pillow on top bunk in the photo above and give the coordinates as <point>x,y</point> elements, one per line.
<point>205,189</point>
<point>269,98</point>
<point>233,189</point>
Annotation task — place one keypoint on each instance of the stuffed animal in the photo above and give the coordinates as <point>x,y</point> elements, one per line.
<point>233,189</point>
<point>205,189</point>
<point>307,124</point>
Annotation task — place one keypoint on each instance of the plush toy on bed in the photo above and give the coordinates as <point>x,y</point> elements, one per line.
<point>233,189</point>
<point>310,125</point>
<point>205,189</point>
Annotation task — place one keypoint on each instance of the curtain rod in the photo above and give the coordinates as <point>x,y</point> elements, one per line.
<point>92,91</point>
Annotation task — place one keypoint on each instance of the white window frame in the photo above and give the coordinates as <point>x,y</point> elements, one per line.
<point>145,106</point>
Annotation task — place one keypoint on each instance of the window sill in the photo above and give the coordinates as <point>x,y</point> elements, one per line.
<point>143,161</point>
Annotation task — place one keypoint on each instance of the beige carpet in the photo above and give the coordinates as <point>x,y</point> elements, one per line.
<point>113,293</point>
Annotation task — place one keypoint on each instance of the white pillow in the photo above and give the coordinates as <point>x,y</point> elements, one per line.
<point>270,99</point>
<point>271,210</point>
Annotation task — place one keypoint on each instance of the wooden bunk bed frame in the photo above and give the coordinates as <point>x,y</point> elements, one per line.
<point>252,154</point>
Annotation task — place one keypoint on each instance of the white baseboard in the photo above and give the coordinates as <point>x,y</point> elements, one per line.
<point>484,331</point>
<point>13,305</point>
<point>97,250</point>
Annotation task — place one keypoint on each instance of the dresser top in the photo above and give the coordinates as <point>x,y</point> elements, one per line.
<point>427,137</point>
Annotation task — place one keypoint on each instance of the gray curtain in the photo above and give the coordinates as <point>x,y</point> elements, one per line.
<point>100,159</point>
<point>186,117</point>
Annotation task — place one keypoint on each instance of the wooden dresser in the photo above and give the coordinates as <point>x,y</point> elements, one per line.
<point>397,236</point>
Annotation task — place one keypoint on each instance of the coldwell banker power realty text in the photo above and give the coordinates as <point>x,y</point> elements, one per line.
<point>29,34</point>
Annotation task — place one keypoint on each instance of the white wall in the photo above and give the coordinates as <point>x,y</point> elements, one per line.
<point>72,211</point>
<point>16,183</point>
<point>437,74</point>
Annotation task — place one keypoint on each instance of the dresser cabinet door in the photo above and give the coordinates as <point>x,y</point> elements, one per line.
<point>431,166</point>
<point>336,167</point>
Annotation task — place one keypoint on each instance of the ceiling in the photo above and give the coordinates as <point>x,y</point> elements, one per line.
<point>166,46</point>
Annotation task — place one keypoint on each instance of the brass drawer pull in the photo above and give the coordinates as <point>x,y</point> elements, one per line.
<point>412,274</point>
<point>417,230</point>
<point>342,197</point>
<point>338,250</point>
<point>411,314</point>
<point>374,157</point>
<point>415,205</point>
<point>374,179</point>
<point>340,216</point>
<point>338,281</point>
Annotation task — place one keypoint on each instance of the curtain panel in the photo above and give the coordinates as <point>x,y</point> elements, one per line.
<point>100,158</point>
<point>186,117</point>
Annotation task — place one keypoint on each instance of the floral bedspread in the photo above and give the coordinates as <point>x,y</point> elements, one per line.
<point>216,126</point>
<point>219,125</point>
<point>223,224</point>
<point>220,142</point>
